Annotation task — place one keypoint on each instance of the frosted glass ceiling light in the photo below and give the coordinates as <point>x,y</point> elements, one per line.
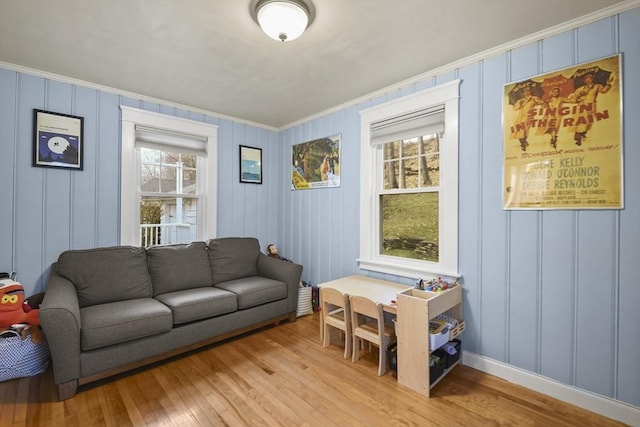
<point>283,20</point>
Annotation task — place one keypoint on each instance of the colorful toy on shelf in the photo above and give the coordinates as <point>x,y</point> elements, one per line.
<point>435,285</point>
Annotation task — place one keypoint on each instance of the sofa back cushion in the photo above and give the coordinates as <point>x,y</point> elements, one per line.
<point>233,258</point>
<point>178,267</point>
<point>104,275</point>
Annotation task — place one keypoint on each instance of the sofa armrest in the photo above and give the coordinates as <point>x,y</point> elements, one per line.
<point>284,271</point>
<point>60,320</point>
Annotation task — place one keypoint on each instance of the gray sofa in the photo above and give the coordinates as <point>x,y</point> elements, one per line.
<point>108,310</point>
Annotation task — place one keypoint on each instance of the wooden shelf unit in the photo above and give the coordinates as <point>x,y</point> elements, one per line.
<point>415,309</point>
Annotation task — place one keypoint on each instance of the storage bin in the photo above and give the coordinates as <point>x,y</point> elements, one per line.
<point>438,340</point>
<point>304,301</point>
<point>451,359</point>
<point>22,357</point>
<point>436,366</point>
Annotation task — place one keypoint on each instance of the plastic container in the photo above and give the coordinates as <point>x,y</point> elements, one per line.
<point>451,359</point>
<point>438,340</point>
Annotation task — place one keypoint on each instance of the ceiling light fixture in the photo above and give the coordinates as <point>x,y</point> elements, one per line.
<point>283,20</point>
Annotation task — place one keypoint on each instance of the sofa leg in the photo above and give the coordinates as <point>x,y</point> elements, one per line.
<point>292,317</point>
<point>67,390</point>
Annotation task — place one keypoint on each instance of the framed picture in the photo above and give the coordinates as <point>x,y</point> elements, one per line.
<point>562,139</point>
<point>250,165</point>
<point>316,164</point>
<point>57,140</point>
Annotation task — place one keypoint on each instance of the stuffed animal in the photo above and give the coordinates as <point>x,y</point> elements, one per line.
<point>272,251</point>
<point>14,309</point>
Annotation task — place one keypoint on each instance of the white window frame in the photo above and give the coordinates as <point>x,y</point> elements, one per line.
<point>371,170</point>
<point>130,178</point>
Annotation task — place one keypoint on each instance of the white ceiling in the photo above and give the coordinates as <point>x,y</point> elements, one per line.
<point>211,55</point>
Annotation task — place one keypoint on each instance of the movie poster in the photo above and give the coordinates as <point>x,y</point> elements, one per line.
<point>316,164</point>
<point>563,139</point>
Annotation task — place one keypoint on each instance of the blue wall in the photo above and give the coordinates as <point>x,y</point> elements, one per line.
<point>552,292</point>
<point>46,211</point>
<point>555,293</point>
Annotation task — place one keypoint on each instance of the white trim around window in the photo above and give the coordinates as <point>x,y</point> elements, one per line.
<point>129,185</point>
<point>446,95</point>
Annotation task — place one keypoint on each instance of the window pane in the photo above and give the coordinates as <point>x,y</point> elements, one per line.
<point>166,220</point>
<point>392,150</point>
<point>409,175</point>
<point>431,170</point>
<point>150,178</point>
<point>189,181</point>
<point>431,144</point>
<point>412,163</point>
<point>391,175</point>
<point>410,147</point>
<point>167,172</point>
<point>409,224</point>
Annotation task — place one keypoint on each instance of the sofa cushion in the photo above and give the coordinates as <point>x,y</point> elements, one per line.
<point>253,291</point>
<point>117,322</point>
<point>199,303</point>
<point>233,258</point>
<point>177,267</point>
<point>104,275</point>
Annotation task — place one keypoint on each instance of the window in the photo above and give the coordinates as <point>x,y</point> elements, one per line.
<point>166,195</point>
<point>409,184</point>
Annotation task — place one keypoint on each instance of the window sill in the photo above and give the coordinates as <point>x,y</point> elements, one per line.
<point>413,270</point>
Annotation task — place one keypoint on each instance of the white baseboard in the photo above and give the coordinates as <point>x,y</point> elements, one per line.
<point>605,406</point>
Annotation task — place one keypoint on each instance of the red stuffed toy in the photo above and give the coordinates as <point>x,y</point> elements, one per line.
<point>14,309</point>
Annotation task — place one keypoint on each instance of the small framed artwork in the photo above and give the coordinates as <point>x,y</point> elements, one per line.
<point>57,140</point>
<point>250,165</point>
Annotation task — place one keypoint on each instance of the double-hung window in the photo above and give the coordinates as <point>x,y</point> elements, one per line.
<point>409,184</point>
<point>168,187</point>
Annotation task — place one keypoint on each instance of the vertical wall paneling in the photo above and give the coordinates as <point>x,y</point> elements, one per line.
<point>557,257</point>
<point>232,154</point>
<point>226,177</point>
<point>8,151</point>
<point>321,207</point>
<point>524,261</point>
<point>336,200</point>
<point>29,189</point>
<point>350,185</point>
<point>495,219</point>
<point>596,245</point>
<point>470,199</point>
<point>57,215</point>
<point>107,172</point>
<point>629,246</point>
<point>305,199</point>
<point>251,191</point>
<point>83,202</point>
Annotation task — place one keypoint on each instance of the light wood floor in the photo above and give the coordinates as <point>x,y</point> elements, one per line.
<point>281,376</point>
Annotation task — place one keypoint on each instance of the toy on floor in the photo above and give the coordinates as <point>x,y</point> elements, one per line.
<point>14,309</point>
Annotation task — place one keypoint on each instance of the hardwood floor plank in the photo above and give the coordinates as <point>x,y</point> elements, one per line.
<point>281,376</point>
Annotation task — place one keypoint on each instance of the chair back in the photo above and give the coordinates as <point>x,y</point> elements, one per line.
<point>333,297</point>
<point>335,307</point>
<point>336,312</point>
<point>367,323</point>
<point>366,307</point>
